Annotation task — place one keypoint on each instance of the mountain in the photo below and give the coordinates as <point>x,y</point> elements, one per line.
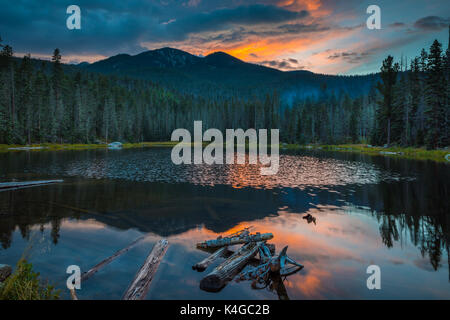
<point>220,72</point>
<point>173,66</point>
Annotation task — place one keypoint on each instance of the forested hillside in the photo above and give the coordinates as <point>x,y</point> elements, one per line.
<point>50,102</point>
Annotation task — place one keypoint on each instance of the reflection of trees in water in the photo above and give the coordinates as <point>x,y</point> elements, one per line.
<point>17,216</point>
<point>425,232</point>
<point>415,211</point>
<point>158,208</point>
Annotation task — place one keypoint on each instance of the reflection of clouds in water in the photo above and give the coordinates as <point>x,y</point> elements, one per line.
<point>155,166</point>
<point>335,252</point>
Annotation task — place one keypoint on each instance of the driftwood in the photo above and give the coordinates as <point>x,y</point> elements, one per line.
<point>226,271</point>
<point>25,184</point>
<point>108,260</point>
<point>270,265</point>
<point>229,241</point>
<point>141,283</point>
<point>228,253</point>
<point>27,148</point>
<point>202,265</point>
<point>73,294</point>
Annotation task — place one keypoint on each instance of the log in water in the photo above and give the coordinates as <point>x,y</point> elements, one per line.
<point>224,272</point>
<point>108,260</point>
<point>141,283</point>
<point>202,265</point>
<point>24,184</point>
<point>228,241</point>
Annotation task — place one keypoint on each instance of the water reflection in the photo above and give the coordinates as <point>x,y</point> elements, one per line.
<point>154,165</point>
<point>389,212</point>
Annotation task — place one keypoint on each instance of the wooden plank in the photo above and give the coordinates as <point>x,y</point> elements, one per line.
<point>141,283</point>
<point>108,260</point>
<point>24,184</point>
<point>229,241</point>
<point>202,265</point>
<point>226,271</point>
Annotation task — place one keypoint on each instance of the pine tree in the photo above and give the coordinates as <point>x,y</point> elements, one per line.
<point>435,98</point>
<point>388,76</point>
<point>8,79</point>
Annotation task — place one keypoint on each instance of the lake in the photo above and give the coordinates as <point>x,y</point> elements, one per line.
<point>394,213</point>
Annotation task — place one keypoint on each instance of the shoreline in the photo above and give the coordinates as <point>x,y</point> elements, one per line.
<point>438,155</point>
<point>394,152</point>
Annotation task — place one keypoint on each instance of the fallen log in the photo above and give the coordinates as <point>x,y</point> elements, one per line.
<point>270,265</point>
<point>202,265</point>
<point>73,294</point>
<point>229,252</point>
<point>141,283</point>
<point>226,271</point>
<point>25,184</point>
<point>229,241</point>
<point>27,148</point>
<point>108,260</point>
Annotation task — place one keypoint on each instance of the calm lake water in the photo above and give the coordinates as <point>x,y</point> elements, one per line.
<point>393,213</point>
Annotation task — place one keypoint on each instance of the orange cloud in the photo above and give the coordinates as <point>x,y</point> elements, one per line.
<point>266,48</point>
<point>315,7</point>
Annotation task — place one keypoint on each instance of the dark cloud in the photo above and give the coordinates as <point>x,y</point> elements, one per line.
<point>106,27</point>
<point>349,56</point>
<point>397,25</point>
<point>432,23</point>
<point>224,18</point>
<point>235,35</point>
<point>111,27</point>
<point>302,28</point>
<point>289,64</point>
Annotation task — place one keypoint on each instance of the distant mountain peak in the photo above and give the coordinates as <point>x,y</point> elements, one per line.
<point>222,57</point>
<point>166,50</point>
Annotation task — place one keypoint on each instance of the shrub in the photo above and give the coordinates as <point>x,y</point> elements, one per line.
<point>24,284</point>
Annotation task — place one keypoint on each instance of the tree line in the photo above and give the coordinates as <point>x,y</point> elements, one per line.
<point>408,107</point>
<point>41,101</point>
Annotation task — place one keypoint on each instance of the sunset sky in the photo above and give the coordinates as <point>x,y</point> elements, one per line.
<point>326,36</point>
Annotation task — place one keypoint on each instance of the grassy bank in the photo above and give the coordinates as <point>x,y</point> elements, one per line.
<point>78,146</point>
<point>397,152</point>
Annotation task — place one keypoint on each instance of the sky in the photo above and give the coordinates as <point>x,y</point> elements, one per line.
<point>323,36</point>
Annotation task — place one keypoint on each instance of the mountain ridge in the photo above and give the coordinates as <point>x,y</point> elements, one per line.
<point>220,73</point>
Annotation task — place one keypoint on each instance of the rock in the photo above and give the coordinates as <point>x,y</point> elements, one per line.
<point>5,272</point>
<point>115,145</point>
<point>388,152</point>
